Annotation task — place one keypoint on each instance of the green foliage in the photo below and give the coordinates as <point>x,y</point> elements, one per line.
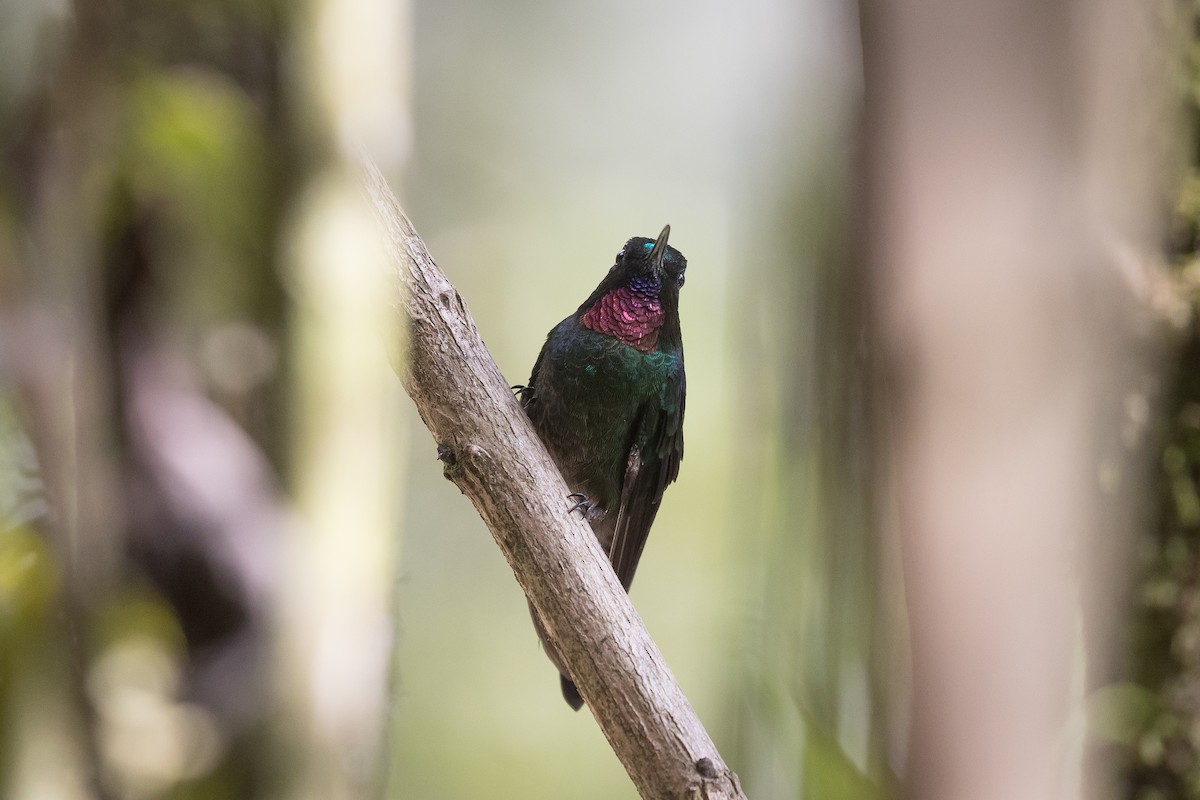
<point>29,581</point>
<point>21,491</point>
<point>830,775</point>
<point>196,158</point>
<point>1152,721</point>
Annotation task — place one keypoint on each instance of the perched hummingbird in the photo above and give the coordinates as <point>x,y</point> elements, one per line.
<point>606,397</point>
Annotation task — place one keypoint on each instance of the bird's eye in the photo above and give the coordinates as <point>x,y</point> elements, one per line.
<point>679,280</point>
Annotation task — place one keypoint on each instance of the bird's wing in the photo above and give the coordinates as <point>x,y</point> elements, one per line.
<point>652,464</point>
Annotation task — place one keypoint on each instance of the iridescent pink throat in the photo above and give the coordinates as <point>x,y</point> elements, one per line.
<point>631,316</point>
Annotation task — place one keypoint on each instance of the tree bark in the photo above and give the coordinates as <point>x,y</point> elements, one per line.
<point>492,454</point>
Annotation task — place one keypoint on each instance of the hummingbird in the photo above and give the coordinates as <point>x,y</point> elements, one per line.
<point>606,397</point>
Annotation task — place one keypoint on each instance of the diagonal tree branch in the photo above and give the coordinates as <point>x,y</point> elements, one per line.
<point>493,455</point>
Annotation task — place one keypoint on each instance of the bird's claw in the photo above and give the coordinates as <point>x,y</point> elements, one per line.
<point>582,503</point>
<point>524,394</point>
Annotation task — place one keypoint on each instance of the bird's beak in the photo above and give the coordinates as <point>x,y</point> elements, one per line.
<point>659,251</point>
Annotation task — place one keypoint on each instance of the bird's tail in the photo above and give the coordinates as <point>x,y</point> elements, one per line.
<point>571,694</point>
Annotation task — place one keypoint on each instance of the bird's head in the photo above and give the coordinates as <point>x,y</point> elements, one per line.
<point>644,260</point>
<point>640,293</point>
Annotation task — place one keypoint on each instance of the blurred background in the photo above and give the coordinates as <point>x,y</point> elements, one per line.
<point>229,564</point>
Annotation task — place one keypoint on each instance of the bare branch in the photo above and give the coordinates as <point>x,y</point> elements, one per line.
<point>493,455</point>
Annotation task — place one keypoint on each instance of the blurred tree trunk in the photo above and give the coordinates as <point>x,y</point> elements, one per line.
<point>352,89</point>
<point>1008,178</point>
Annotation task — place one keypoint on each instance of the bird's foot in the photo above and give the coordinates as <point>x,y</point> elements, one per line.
<point>524,394</point>
<point>582,504</point>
